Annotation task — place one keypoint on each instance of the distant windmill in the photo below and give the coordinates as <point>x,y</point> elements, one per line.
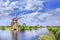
<point>15,28</point>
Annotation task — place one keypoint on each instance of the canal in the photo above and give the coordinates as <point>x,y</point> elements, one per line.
<point>26,35</point>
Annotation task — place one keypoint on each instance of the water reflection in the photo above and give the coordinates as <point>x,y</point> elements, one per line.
<point>27,35</point>
<point>5,35</point>
<point>32,35</point>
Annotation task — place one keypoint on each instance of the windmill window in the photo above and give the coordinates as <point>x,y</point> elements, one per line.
<point>15,29</point>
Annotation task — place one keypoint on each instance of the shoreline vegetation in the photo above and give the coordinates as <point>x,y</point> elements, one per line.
<point>21,27</point>
<point>46,37</point>
<point>54,31</point>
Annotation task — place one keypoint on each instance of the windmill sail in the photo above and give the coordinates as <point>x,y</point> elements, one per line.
<point>19,18</point>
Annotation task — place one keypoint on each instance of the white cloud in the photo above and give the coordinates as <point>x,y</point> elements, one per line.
<point>54,18</point>
<point>34,18</point>
<point>47,18</point>
<point>3,8</point>
<point>31,4</point>
<point>28,17</point>
<point>7,7</point>
<point>7,3</point>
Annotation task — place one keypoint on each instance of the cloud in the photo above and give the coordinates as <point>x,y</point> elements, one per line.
<point>31,4</point>
<point>4,11</point>
<point>30,18</point>
<point>34,18</point>
<point>7,7</point>
<point>47,18</point>
<point>54,18</point>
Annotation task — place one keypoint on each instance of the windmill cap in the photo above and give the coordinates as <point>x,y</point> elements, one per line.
<point>14,19</point>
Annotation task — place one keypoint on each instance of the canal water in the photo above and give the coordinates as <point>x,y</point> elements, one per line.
<point>27,35</point>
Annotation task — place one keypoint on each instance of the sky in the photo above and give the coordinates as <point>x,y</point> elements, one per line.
<point>33,12</point>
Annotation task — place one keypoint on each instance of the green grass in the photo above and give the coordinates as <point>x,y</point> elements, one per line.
<point>46,37</point>
<point>55,31</point>
<point>22,28</point>
<point>5,27</point>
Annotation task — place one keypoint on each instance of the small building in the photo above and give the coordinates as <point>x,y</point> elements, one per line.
<point>24,24</point>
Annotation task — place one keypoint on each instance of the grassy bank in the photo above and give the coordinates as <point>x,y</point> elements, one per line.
<point>46,37</point>
<point>55,31</point>
<point>5,27</point>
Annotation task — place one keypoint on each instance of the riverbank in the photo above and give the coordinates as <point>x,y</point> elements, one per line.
<point>55,31</point>
<point>21,28</point>
<point>46,37</point>
<point>24,35</point>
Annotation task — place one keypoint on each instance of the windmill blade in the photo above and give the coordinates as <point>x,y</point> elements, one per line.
<point>19,18</point>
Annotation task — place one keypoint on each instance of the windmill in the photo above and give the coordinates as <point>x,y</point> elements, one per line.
<point>15,28</point>
<point>15,22</point>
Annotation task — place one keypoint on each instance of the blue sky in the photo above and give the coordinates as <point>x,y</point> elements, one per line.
<point>33,12</point>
